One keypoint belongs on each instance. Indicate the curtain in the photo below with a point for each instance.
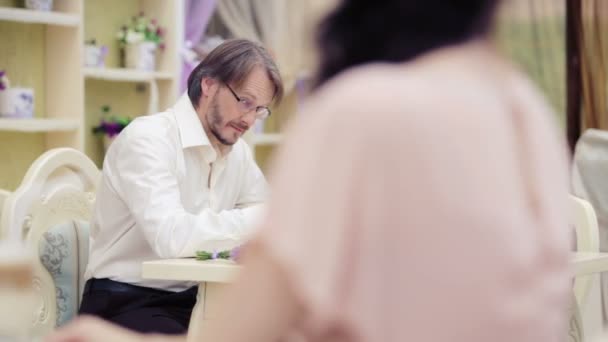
(238, 16)
(197, 16)
(593, 44)
(277, 24)
(532, 34)
(594, 51)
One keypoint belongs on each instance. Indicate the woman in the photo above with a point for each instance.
(420, 196)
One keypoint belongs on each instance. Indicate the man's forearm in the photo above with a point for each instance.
(221, 231)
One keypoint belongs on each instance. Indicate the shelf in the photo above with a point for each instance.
(267, 138)
(38, 17)
(125, 75)
(38, 125)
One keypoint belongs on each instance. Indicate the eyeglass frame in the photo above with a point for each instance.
(257, 108)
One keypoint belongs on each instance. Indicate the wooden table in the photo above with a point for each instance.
(212, 276)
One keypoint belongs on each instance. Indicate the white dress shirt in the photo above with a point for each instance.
(165, 193)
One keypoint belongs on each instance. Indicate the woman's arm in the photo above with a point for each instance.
(260, 306)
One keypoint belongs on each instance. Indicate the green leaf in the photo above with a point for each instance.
(204, 255)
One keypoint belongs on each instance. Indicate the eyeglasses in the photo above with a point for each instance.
(261, 112)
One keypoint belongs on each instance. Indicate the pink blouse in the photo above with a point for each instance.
(424, 202)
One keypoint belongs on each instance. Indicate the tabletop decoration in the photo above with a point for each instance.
(232, 254)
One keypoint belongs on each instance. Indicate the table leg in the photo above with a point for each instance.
(198, 315)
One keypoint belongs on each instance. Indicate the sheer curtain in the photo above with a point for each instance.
(198, 13)
(277, 24)
(238, 16)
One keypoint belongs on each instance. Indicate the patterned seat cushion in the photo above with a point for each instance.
(64, 251)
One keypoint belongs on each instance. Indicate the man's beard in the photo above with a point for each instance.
(215, 123)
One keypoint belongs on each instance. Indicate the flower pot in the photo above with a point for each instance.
(17, 103)
(141, 56)
(39, 5)
(107, 140)
(94, 55)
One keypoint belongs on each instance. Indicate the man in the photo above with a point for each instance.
(177, 182)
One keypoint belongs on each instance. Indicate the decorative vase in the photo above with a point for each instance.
(39, 5)
(94, 55)
(141, 56)
(258, 127)
(107, 140)
(17, 103)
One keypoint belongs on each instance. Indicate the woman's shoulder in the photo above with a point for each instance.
(370, 90)
(411, 94)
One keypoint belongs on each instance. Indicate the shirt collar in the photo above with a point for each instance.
(190, 127)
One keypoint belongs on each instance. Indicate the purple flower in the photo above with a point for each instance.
(111, 128)
(2, 82)
(235, 253)
(214, 255)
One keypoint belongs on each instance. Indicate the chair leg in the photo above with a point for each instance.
(575, 329)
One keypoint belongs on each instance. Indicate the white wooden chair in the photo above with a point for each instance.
(50, 211)
(589, 170)
(587, 240)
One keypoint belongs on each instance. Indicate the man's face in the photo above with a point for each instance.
(226, 118)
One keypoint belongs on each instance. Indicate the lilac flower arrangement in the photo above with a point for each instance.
(141, 29)
(226, 255)
(4, 82)
(111, 125)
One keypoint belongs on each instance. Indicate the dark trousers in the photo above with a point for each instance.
(139, 308)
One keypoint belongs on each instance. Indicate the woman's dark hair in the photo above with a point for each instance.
(363, 31)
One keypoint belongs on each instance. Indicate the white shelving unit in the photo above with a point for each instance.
(38, 125)
(129, 92)
(260, 139)
(39, 17)
(125, 75)
(58, 47)
(69, 96)
(45, 51)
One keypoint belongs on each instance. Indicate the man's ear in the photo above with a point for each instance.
(208, 86)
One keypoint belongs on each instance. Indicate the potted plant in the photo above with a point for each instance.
(110, 126)
(139, 41)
